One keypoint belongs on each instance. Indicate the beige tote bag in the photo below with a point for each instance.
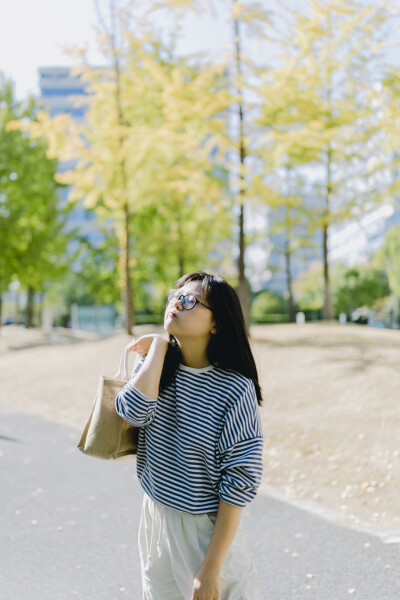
(106, 434)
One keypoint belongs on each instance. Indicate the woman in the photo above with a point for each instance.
(195, 398)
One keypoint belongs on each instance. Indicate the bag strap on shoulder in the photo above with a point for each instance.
(122, 372)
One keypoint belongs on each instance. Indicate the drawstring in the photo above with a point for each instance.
(160, 531)
(161, 509)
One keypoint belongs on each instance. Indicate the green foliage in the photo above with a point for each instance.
(33, 242)
(359, 286)
(388, 259)
(93, 279)
(270, 319)
(175, 237)
(352, 288)
(147, 157)
(387, 311)
(267, 306)
(155, 156)
(321, 114)
(309, 288)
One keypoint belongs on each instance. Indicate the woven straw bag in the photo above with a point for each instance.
(106, 434)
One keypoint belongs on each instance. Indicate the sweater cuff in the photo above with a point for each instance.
(134, 406)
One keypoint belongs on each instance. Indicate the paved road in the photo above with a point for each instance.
(69, 529)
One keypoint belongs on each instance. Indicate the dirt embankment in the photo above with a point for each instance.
(331, 413)
(332, 418)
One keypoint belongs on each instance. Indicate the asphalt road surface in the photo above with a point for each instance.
(69, 530)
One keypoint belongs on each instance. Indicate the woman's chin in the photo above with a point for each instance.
(167, 327)
(169, 324)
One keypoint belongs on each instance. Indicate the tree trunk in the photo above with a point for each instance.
(243, 284)
(291, 307)
(181, 247)
(327, 311)
(16, 307)
(29, 308)
(288, 257)
(129, 306)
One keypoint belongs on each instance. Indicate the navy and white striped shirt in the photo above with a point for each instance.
(200, 441)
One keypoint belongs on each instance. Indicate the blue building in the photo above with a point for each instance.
(352, 243)
(356, 241)
(59, 90)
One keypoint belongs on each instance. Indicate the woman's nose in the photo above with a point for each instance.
(177, 302)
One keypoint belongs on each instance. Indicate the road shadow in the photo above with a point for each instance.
(60, 337)
(6, 438)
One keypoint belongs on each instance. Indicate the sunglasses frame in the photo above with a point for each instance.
(183, 296)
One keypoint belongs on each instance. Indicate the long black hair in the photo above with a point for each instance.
(229, 348)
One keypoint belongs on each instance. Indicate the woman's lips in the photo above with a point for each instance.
(172, 314)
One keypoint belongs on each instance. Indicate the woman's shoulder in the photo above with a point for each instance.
(236, 379)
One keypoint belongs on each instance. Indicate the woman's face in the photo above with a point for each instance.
(196, 322)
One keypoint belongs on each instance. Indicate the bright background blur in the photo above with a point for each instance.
(34, 34)
(287, 237)
(330, 417)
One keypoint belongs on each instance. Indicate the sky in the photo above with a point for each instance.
(35, 33)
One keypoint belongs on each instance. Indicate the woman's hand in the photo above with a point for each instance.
(142, 344)
(207, 584)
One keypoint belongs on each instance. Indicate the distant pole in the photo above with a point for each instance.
(243, 285)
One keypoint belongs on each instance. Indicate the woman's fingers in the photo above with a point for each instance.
(144, 338)
(136, 346)
(142, 344)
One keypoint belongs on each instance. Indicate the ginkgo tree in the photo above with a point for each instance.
(251, 16)
(151, 125)
(186, 181)
(388, 259)
(33, 233)
(289, 218)
(387, 98)
(319, 115)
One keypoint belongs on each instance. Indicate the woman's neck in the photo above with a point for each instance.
(194, 354)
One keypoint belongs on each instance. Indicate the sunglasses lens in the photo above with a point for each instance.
(188, 302)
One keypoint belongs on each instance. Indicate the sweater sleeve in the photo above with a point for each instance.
(138, 364)
(240, 446)
(132, 405)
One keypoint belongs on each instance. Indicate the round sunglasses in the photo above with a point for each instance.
(189, 301)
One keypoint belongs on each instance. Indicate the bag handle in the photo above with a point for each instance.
(122, 372)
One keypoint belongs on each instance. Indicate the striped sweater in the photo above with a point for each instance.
(200, 441)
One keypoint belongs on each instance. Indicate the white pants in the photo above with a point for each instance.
(172, 546)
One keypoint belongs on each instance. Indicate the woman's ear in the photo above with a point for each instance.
(215, 329)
